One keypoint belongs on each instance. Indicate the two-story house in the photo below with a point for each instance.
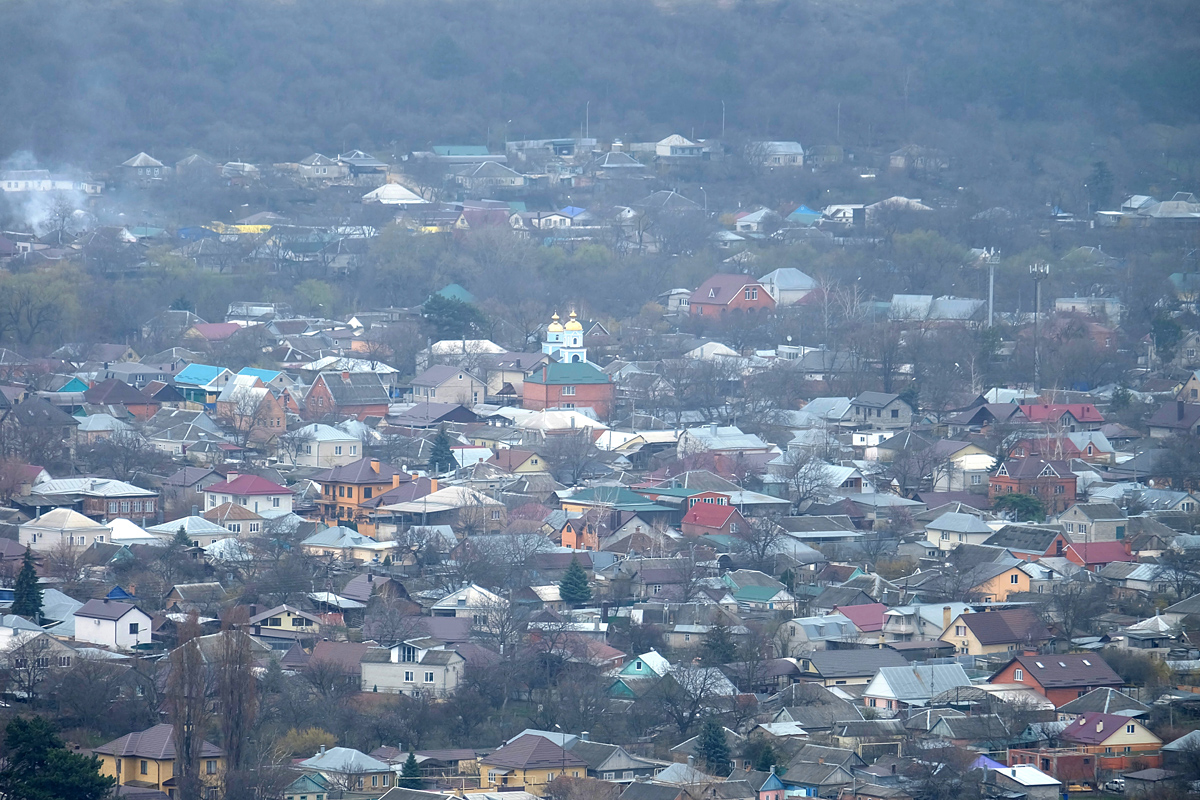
(346, 394)
(528, 763)
(249, 491)
(344, 770)
(881, 410)
(448, 384)
(416, 667)
(113, 624)
(345, 488)
(1065, 416)
(990, 632)
(1052, 482)
(569, 385)
(285, 622)
(1061, 678)
(318, 445)
(1094, 522)
(724, 293)
(146, 760)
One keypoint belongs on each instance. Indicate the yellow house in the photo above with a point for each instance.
(528, 763)
(993, 583)
(1110, 733)
(285, 622)
(350, 770)
(989, 632)
(146, 760)
(519, 461)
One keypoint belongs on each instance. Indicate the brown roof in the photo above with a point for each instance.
(532, 752)
(230, 512)
(346, 655)
(105, 609)
(156, 743)
(1068, 670)
(362, 471)
(1002, 627)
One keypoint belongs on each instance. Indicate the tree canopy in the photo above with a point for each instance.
(39, 767)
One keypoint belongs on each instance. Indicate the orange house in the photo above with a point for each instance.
(345, 489)
(1060, 678)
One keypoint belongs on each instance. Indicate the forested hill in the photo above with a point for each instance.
(992, 81)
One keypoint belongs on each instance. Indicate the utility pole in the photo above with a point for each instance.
(993, 258)
(1040, 270)
(722, 120)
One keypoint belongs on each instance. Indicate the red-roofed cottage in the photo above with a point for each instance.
(249, 491)
(704, 519)
(1061, 678)
(1069, 416)
(868, 618)
(1094, 556)
(722, 293)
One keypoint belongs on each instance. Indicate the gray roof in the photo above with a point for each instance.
(344, 760)
(917, 685)
(854, 663)
(875, 399)
(1105, 701)
(956, 522)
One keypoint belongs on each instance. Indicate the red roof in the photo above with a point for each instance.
(1098, 552)
(244, 485)
(1050, 412)
(216, 331)
(722, 288)
(1095, 728)
(709, 515)
(866, 618)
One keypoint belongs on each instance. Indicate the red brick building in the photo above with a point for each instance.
(1061, 678)
(575, 385)
(723, 293)
(1052, 482)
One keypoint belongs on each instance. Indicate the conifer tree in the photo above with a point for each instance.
(441, 458)
(410, 773)
(573, 588)
(27, 594)
(712, 750)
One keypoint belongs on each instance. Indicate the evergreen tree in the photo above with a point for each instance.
(712, 750)
(410, 773)
(573, 588)
(442, 457)
(39, 767)
(766, 759)
(718, 646)
(27, 594)
(181, 538)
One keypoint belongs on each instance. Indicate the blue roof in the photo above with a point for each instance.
(572, 211)
(265, 375)
(117, 593)
(198, 374)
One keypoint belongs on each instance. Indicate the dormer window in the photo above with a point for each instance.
(408, 654)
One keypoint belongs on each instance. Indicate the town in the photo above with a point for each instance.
(532, 469)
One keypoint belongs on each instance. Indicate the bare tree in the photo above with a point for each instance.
(29, 663)
(236, 687)
(68, 563)
(806, 477)
(187, 690)
(760, 541)
(292, 444)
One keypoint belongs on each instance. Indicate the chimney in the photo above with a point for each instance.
(773, 769)
(544, 378)
(432, 485)
(345, 377)
(1099, 725)
(893, 769)
(691, 761)
(106, 601)
(1179, 410)
(820, 759)
(945, 617)
(712, 428)
(375, 465)
(583, 736)
(370, 577)
(230, 477)
(322, 751)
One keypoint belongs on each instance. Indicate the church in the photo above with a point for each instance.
(570, 381)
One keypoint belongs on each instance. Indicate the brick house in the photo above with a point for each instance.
(573, 385)
(346, 394)
(1094, 522)
(1060, 678)
(1052, 482)
(724, 292)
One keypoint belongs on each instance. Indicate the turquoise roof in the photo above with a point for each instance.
(455, 292)
(198, 375)
(460, 150)
(264, 375)
(573, 373)
(756, 594)
(74, 385)
(616, 496)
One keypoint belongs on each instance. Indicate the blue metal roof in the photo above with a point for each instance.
(198, 374)
(265, 375)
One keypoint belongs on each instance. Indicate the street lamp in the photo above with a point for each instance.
(1040, 270)
(705, 200)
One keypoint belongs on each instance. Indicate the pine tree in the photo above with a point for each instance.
(410, 773)
(27, 594)
(712, 750)
(718, 646)
(38, 765)
(573, 588)
(766, 759)
(181, 538)
(442, 457)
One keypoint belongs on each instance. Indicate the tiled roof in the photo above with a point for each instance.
(710, 515)
(532, 752)
(1084, 412)
(1092, 729)
(723, 288)
(246, 485)
(362, 471)
(1004, 627)
(1068, 670)
(155, 743)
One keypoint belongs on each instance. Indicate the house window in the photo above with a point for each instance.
(976, 480)
(1059, 489)
(113, 506)
(274, 502)
(1014, 579)
(627, 775)
(367, 492)
(960, 630)
(429, 677)
(337, 450)
(687, 637)
(408, 677)
(895, 413)
(275, 622)
(341, 491)
(133, 629)
(354, 452)
(210, 767)
(496, 514)
(144, 767)
(656, 588)
(1130, 728)
(568, 391)
(64, 661)
(608, 776)
(1018, 674)
(1082, 528)
(751, 293)
(945, 536)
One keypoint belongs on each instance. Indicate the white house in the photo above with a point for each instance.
(110, 623)
(788, 285)
(414, 667)
(320, 445)
(249, 491)
(61, 527)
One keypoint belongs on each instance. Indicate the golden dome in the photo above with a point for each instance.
(555, 326)
(573, 324)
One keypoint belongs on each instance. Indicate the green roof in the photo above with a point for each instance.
(575, 373)
(455, 292)
(674, 491)
(756, 594)
(616, 496)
